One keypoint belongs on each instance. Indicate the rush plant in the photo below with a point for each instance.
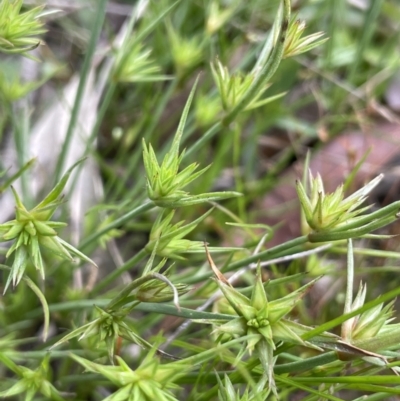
(150, 269)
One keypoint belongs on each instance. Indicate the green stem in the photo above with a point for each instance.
(362, 43)
(346, 327)
(20, 173)
(267, 71)
(117, 223)
(389, 210)
(306, 364)
(297, 366)
(237, 151)
(100, 115)
(321, 394)
(21, 141)
(22, 356)
(96, 30)
(45, 306)
(269, 253)
(294, 246)
(10, 364)
(121, 298)
(339, 320)
(375, 397)
(120, 185)
(390, 379)
(185, 313)
(263, 76)
(199, 144)
(116, 273)
(128, 289)
(151, 307)
(353, 233)
(211, 353)
(368, 252)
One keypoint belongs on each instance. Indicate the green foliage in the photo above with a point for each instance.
(32, 229)
(261, 318)
(11, 89)
(232, 88)
(150, 323)
(186, 52)
(151, 380)
(107, 327)
(227, 392)
(325, 211)
(32, 381)
(17, 28)
(167, 239)
(296, 44)
(165, 181)
(137, 66)
(156, 291)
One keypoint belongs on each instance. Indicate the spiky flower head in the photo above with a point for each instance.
(135, 64)
(32, 382)
(150, 381)
(32, 229)
(165, 181)
(295, 44)
(106, 327)
(158, 291)
(186, 52)
(218, 16)
(233, 87)
(18, 29)
(324, 211)
(166, 239)
(226, 391)
(262, 319)
(371, 331)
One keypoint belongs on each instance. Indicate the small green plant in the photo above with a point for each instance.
(262, 318)
(17, 29)
(327, 211)
(31, 382)
(32, 229)
(165, 182)
(151, 380)
(227, 392)
(172, 191)
(136, 65)
(295, 44)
